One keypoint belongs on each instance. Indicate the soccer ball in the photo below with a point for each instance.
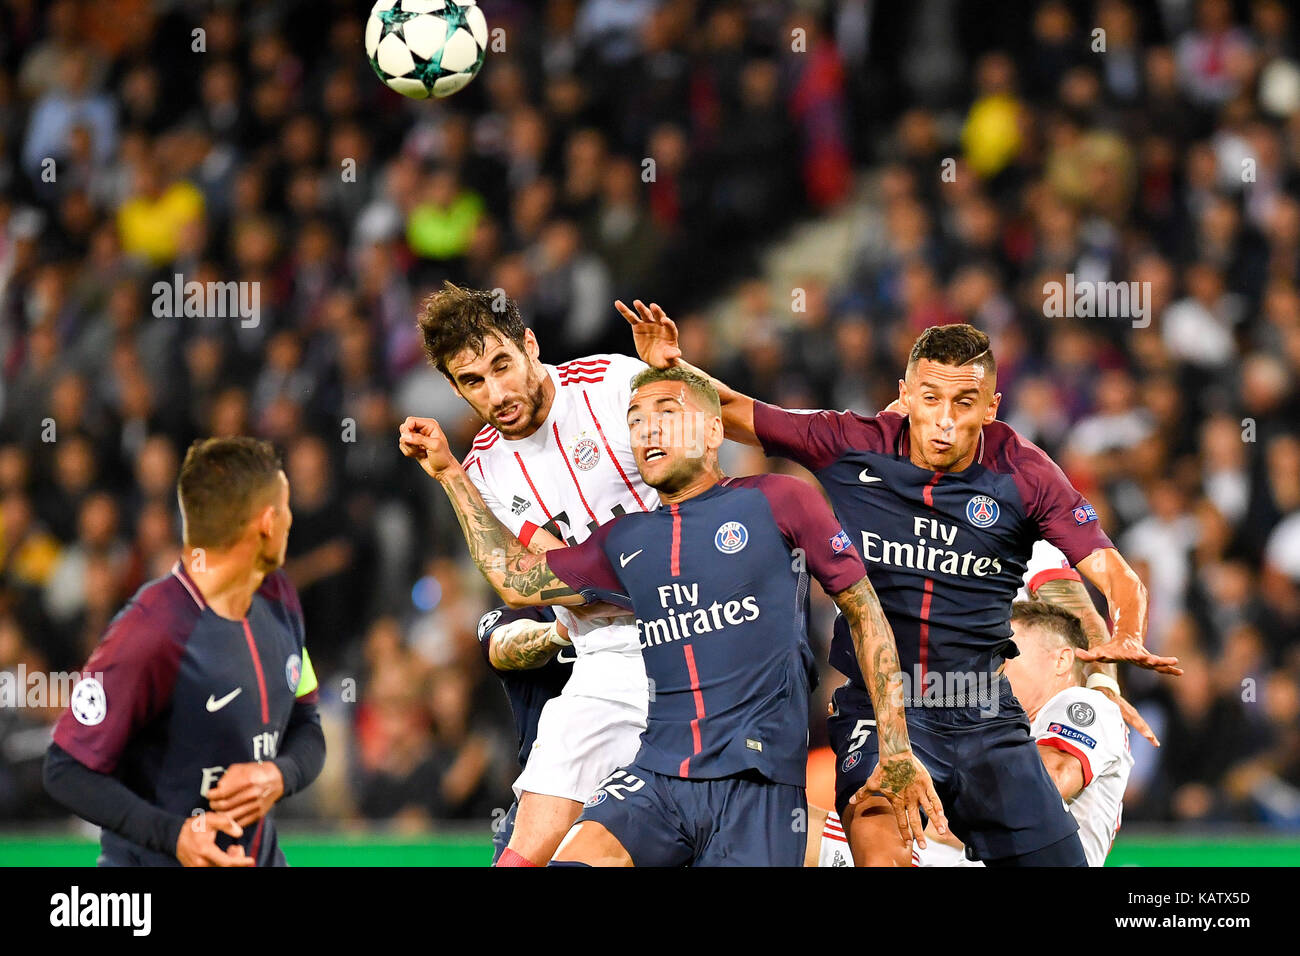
(423, 48)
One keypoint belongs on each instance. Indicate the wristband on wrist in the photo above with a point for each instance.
(555, 636)
(1096, 681)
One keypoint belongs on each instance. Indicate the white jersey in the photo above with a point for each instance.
(573, 474)
(1046, 563)
(1088, 724)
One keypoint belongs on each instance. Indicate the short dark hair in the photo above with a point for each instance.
(1052, 619)
(955, 344)
(222, 481)
(453, 319)
(698, 384)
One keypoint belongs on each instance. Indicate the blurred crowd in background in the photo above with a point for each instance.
(653, 149)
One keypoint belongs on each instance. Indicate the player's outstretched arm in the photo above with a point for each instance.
(521, 577)
(1073, 597)
(900, 777)
(655, 336)
(1126, 596)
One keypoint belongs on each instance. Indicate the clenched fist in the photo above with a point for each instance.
(423, 440)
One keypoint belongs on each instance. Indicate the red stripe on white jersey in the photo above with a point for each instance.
(555, 430)
(609, 451)
(532, 487)
(582, 380)
(486, 438)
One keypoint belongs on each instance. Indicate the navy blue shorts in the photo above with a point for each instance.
(670, 821)
(502, 832)
(997, 795)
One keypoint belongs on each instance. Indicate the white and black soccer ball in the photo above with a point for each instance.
(423, 48)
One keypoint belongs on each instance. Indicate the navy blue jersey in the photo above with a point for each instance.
(527, 690)
(946, 551)
(175, 693)
(719, 587)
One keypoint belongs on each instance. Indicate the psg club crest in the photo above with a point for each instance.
(585, 454)
(731, 537)
(596, 799)
(851, 761)
(982, 511)
(293, 671)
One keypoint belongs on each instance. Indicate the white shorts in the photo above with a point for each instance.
(940, 854)
(834, 849)
(580, 742)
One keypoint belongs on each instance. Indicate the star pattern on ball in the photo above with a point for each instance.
(454, 14)
(393, 18)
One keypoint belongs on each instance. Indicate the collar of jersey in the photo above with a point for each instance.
(717, 489)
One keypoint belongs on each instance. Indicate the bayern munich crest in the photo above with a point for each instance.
(586, 454)
(851, 761)
(731, 537)
(982, 511)
(293, 671)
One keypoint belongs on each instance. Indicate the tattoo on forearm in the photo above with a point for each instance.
(524, 650)
(504, 561)
(873, 640)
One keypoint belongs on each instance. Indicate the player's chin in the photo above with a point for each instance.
(660, 474)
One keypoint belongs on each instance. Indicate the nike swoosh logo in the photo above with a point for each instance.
(866, 477)
(215, 705)
(623, 559)
(565, 660)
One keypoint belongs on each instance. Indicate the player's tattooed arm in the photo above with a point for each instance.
(899, 776)
(1073, 597)
(657, 345)
(522, 645)
(521, 577)
(873, 641)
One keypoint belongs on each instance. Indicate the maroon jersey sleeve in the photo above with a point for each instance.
(807, 523)
(813, 439)
(588, 570)
(1064, 517)
(127, 682)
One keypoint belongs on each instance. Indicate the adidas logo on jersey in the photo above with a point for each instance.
(520, 505)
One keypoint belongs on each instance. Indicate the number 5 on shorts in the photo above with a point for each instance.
(860, 733)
